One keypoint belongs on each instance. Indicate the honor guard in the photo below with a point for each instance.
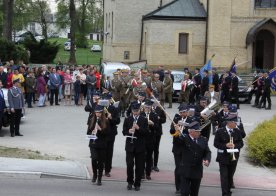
(16, 104)
(146, 78)
(150, 138)
(116, 86)
(140, 87)
(125, 90)
(158, 89)
(135, 128)
(266, 92)
(168, 87)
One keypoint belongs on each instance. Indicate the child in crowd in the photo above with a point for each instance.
(77, 87)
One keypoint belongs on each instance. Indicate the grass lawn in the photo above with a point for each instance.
(83, 55)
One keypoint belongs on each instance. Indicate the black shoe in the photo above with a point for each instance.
(233, 186)
(99, 183)
(268, 108)
(30, 106)
(12, 134)
(148, 177)
(137, 188)
(254, 106)
(123, 114)
(155, 168)
(107, 174)
(19, 134)
(263, 106)
(57, 104)
(129, 187)
(177, 192)
(94, 178)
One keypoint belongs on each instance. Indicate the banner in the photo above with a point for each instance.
(272, 77)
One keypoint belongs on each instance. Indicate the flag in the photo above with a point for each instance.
(272, 77)
(233, 67)
(208, 67)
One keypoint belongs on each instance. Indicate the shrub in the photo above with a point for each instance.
(262, 143)
(8, 51)
(81, 41)
(42, 51)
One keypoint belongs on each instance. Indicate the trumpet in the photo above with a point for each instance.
(233, 154)
(132, 134)
(95, 131)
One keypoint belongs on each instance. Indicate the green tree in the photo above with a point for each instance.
(7, 19)
(73, 19)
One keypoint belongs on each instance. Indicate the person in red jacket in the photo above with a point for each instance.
(98, 78)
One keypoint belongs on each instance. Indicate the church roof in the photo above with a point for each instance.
(179, 10)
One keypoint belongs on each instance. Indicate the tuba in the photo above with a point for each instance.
(208, 112)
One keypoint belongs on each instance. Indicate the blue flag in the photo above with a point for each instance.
(272, 77)
(208, 67)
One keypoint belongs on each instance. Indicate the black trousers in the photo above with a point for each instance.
(1, 118)
(156, 150)
(148, 159)
(15, 121)
(258, 96)
(137, 159)
(266, 97)
(226, 177)
(30, 96)
(54, 92)
(194, 95)
(177, 176)
(189, 186)
(98, 158)
(235, 97)
(109, 155)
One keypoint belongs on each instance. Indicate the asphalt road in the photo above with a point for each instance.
(61, 187)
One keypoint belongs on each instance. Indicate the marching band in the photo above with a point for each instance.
(141, 99)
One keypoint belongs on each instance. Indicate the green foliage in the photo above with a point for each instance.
(41, 52)
(262, 143)
(8, 51)
(81, 41)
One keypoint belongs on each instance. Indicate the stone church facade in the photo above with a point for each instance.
(178, 33)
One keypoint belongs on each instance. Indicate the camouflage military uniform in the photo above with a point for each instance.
(125, 92)
(116, 86)
(158, 90)
(168, 88)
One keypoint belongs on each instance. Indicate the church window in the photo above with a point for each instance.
(183, 43)
(265, 3)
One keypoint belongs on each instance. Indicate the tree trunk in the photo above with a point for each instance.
(43, 21)
(72, 12)
(8, 18)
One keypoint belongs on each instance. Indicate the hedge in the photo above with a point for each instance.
(9, 51)
(42, 51)
(262, 143)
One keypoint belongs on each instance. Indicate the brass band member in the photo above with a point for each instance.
(116, 86)
(176, 129)
(195, 154)
(157, 88)
(150, 138)
(228, 137)
(113, 117)
(161, 120)
(135, 128)
(99, 127)
(203, 118)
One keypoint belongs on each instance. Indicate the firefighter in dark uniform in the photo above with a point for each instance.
(195, 154)
(161, 120)
(177, 128)
(225, 87)
(112, 114)
(259, 89)
(196, 90)
(266, 92)
(215, 79)
(135, 127)
(150, 138)
(228, 137)
(234, 90)
(204, 83)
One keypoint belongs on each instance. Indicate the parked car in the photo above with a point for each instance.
(244, 90)
(178, 77)
(67, 46)
(108, 68)
(96, 48)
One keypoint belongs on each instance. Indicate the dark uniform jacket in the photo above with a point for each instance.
(235, 84)
(152, 129)
(101, 141)
(161, 119)
(139, 144)
(113, 122)
(193, 153)
(197, 80)
(204, 84)
(267, 85)
(176, 145)
(221, 139)
(216, 81)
